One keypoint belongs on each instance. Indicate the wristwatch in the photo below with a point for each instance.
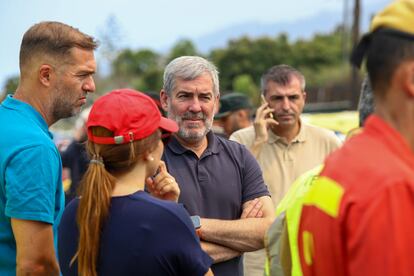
(197, 225)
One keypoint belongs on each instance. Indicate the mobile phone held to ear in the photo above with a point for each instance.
(265, 102)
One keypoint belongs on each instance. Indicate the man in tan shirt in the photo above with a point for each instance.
(284, 146)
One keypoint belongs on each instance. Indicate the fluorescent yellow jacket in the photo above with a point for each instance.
(281, 241)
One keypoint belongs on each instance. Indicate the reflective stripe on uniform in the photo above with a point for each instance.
(326, 195)
(292, 205)
(308, 247)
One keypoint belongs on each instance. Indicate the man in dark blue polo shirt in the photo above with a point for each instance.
(220, 180)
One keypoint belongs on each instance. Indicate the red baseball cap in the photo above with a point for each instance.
(130, 114)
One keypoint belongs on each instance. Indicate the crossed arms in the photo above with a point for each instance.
(226, 239)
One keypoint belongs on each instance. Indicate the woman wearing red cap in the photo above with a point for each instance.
(115, 227)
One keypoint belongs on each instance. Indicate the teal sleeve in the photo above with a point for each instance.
(33, 181)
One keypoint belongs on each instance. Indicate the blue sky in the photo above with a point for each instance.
(155, 24)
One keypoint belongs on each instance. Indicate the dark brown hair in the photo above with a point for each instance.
(282, 75)
(385, 55)
(54, 39)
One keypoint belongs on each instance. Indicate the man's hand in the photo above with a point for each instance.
(163, 185)
(253, 209)
(262, 123)
(244, 234)
(218, 252)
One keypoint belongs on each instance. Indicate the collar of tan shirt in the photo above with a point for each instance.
(300, 138)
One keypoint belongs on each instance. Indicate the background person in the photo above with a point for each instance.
(284, 146)
(56, 68)
(281, 240)
(74, 157)
(356, 216)
(115, 227)
(234, 113)
(220, 180)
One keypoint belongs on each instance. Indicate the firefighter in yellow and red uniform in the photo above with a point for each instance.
(358, 216)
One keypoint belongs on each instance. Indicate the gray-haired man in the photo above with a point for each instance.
(220, 180)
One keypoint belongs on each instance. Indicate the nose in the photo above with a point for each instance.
(89, 85)
(195, 105)
(286, 104)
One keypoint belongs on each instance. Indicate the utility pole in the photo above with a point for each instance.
(345, 31)
(355, 89)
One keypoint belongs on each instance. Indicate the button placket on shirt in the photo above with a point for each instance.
(202, 175)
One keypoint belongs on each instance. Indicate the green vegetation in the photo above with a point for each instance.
(241, 63)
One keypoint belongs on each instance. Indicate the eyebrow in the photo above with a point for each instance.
(192, 92)
(86, 71)
(294, 93)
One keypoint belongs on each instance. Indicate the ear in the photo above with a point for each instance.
(217, 104)
(238, 114)
(408, 79)
(304, 96)
(164, 100)
(148, 156)
(243, 114)
(45, 74)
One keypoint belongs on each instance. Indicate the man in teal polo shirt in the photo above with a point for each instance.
(56, 68)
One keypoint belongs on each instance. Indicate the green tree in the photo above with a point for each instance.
(321, 58)
(321, 51)
(10, 86)
(184, 47)
(151, 80)
(245, 84)
(138, 69)
(251, 57)
(242, 62)
(132, 63)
